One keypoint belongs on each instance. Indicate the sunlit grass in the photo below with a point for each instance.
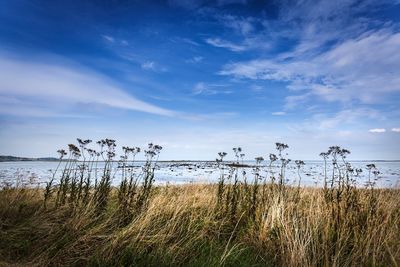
(246, 219)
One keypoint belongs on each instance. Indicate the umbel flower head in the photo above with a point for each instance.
(281, 146)
(259, 160)
(273, 157)
(299, 163)
(153, 150)
(221, 156)
(83, 142)
(62, 153)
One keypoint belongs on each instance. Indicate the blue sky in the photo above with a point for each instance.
(199, 77)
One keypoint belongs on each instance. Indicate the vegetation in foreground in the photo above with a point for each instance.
(244, 220)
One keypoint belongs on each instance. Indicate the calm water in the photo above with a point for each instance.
(37, 173)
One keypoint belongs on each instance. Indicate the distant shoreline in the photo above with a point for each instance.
(14, 159)
(52, 159)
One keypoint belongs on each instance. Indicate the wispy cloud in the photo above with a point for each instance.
(114, 41)
(202, 88)
(396, 130)
(50, 84)
(199, 88)
(341, 121)
(278, 113)
(217, 42)
(153, 66)
(185, 40)
(196, 59)
(316, 24)
(242, 25)
(256, 88)
(347, 116)
(251, 32)
(348, 71)
(331, 59)
(377, 130)
(108, 38)
(148, 65)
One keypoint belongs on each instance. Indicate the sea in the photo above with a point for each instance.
(37, 173)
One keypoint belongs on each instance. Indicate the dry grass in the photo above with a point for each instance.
(183, 225)
(243, 220)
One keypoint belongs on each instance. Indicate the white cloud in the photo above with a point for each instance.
(148, 65)
(49, 84)
(198, 59)
(199, 88)
(293, 101)
(251, 29)
(337, 57)
(115, 41)
(366, 69)
(377, 130)
(241, 25)
(347, 116)
(315, 24)
(397, 130)
(343, 120)
(153, 66)
(189, 41)
(209, 89)
(217, 42)
(278, 113)
(109, 38)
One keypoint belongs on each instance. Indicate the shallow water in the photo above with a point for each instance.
(34, 173)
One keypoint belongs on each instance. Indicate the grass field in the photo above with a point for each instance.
(244, 220)
(184, 225)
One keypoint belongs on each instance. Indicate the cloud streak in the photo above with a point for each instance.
(108, 38)
(218, 42)
(377, 130)
(202, 88)
(48, 83)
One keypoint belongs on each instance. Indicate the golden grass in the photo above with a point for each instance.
(183, 225)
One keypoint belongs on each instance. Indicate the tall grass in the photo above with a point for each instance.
(246, 219)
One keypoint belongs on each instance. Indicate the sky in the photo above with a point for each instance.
(200, 77)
